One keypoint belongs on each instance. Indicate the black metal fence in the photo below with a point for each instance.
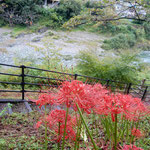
(138, 90)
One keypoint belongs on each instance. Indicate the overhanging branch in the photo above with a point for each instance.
(114, 19)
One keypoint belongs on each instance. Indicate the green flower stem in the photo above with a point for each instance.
(95, 147)
(124, 124)
(65, 128)
(107, 128)
(58, 135)
(127, 130)
(132, 137)
(96, 124)
(76, 142)
(46, 141)
(115, 135)
(79, 136)
(93, 118)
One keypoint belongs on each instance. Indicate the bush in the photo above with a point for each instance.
(68, 9)
(147, 30)
(121, 41)
(123, 68)
(2, 22)
(92, 4)
(115, 29)
(20, 11)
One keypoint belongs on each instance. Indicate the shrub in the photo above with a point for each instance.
(121, 41)
(123, 68)
(68, 9)
(115, 29)
(2, 22)
(147, 30)
(92, 4)
(20, 11)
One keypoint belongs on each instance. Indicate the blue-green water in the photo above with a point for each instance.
(145, 56)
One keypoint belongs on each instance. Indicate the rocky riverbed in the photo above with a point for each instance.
(33, 47)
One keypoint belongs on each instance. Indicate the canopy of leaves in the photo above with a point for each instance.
(20, 11)
(68, 9)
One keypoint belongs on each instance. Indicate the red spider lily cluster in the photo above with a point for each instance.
(80, 98)
(56, 118)
(136, 132)
(131, 147)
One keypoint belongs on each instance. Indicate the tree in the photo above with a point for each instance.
(19, 11)
(107, 11)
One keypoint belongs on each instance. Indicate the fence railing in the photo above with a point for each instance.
(138, 90)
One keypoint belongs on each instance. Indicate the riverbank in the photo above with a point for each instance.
(68, 44)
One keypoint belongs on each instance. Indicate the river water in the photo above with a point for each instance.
(145, 56)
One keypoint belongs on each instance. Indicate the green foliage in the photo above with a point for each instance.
(22, 138)
(121, 41)
(115, 29)
(122, 68)
(92, 4)
(2, 22)
(49, 17)
(68, 9)
(147, 30)
(4, 111)
(20, 11)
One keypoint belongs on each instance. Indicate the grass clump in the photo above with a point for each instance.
(121, 41)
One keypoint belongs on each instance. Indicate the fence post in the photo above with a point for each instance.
(75, 76)
(142, 85)
(22, 81)
(129, 87)
(107, 84)
(144, 94)
(125, 88)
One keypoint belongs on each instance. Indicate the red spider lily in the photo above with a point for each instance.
(126, 105)
(136, 132)
(57, 117)
(74, 92)
(131, 147)
(38, 124)
(44, 99)
(65, 94)
(108, 104)
(135, 109)
(70, 133)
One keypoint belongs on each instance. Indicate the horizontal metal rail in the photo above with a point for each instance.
(12, 101)
(9, 91)
(40, 91)
(50, 71)
(16, 83)
(9, 74)
(9, 65)
(43, 77)
(38, 84)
